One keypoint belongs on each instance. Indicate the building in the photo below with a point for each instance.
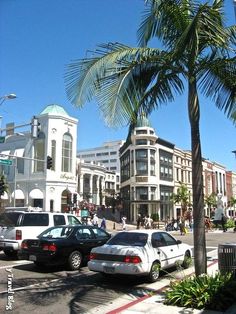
(30, 182)
(146, 173)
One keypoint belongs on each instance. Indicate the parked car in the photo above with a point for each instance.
(63, 245)
(139, 252)
(17, 225)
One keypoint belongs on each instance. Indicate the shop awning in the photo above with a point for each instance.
(19, 152)
(18, 194)
(36, 193)
(4, 153)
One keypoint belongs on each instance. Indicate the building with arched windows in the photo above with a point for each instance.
(30, 183)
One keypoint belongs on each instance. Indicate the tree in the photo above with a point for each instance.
(210, 201)
(182, 197)
(198, 54)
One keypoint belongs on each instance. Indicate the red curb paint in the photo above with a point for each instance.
(126, 306)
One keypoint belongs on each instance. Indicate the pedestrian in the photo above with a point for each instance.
(139, 219)
(123, 222)
(182, 227)
(103, 223)
(95, 220)
(223, 222)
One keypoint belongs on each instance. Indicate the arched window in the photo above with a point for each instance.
(39, 153)
(66, 164)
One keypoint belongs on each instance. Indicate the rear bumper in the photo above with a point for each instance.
(49, 259)
(9, 245)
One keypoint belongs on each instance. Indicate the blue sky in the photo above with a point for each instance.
(40, 37)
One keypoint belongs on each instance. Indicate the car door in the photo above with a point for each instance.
(172, 249)
(85, 240)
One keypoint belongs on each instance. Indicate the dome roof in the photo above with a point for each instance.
(143, 121)
(55, 110)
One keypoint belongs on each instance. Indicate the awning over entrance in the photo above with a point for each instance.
(18, 194)
(19, 152)
(36, 193)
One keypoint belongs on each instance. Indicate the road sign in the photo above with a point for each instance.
(6, 162)
(2, 139)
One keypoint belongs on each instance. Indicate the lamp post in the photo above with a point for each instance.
(6, 97)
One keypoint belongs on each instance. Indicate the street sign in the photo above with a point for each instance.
(2, 139)
(6, 162)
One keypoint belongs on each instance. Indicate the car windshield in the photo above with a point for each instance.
(129, 238)
(58, 232)
(9, 219)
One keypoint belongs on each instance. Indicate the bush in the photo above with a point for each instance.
(203, 292)
(155, 217)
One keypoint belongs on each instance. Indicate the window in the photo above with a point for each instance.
(73, 220)
(141, 142)
(84, 234)
(39, 153)
(67, 153)
(141, 193)
(100, 234)
(35, 220)
(53, 154)
(59, 220)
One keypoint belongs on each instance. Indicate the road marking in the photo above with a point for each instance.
(17, 263)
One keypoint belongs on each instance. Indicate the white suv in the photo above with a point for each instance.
(15, 226)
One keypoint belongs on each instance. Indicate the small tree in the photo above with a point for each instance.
(182, 197)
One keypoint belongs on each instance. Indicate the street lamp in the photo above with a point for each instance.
(6, 97)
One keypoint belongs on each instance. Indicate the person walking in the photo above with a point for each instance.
(95, 220)
(123, 222)
(139, 220)
(103, 223)
(223, 222)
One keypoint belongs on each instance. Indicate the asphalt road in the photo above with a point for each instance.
(54, 290)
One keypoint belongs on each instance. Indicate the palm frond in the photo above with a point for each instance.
(218, 81)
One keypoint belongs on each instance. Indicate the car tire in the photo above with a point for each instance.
(75, 260)
(10, 253)
(187, 260)
(154, 272)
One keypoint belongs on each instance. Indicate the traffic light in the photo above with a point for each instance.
(3, 185)
(49, 162)
(74, 198)
(35, 127)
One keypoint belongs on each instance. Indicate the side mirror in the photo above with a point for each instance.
(178, 241)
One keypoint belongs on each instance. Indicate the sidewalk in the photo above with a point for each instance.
(153, 303)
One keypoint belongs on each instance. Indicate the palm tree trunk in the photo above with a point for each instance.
(199, 239)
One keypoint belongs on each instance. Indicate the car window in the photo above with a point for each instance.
(99, 233)
(73, 220)
(169, 239)
(35, 219)
(84, 234)
(10, 219)
(158, 240)
(58, 232)
(59, 220)
(129, 238)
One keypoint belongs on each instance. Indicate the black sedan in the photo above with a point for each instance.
(63, 245)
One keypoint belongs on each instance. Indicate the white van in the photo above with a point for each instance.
(17, 225)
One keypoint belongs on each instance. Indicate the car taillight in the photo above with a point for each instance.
(92, 256)
(132, 259)
(18, 235)
(24, 245)
(49, 247)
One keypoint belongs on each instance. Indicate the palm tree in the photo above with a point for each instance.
(197, 54)
(182, 197)
(210, 201)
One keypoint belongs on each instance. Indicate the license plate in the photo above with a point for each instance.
(108, 269)
(32, 258)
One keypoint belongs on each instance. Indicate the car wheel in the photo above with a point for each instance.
(187, 260)
(10, 253)
(154, 272)
(75, 260)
